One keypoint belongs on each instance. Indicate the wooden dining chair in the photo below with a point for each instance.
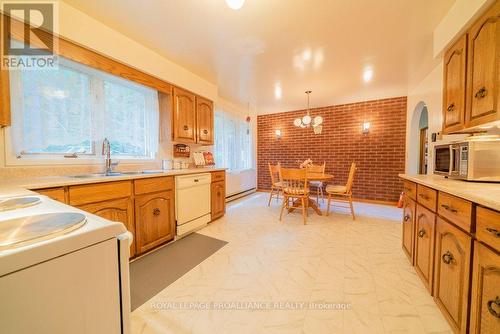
(295, 188)
(342, 193)
(274, 171)
(318, 185)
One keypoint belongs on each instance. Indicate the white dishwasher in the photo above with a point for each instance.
(192, 202)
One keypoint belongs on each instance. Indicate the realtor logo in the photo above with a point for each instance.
(31, 45)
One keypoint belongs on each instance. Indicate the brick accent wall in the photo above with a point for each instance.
(379, 154)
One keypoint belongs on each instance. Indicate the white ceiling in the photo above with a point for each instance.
(321, 45)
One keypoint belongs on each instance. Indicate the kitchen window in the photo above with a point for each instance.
(69, 111)
(233, 141)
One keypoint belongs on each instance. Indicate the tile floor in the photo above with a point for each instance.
(330, 276)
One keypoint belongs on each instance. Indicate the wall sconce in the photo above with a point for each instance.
(278, 134)
(366, 127)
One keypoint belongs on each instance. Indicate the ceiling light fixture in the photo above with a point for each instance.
(235, 4)
(306, 120)
(368, 75)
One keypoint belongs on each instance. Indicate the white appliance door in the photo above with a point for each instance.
(75, 293)
(192, 203)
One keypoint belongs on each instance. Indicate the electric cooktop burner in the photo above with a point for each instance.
(18, 202)
(23, 231)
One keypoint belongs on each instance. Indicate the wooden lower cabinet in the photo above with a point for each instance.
(120, 210)
(424, 245)
(218, 199)
(155, 220)
(451, 273)
(485, 301)
(408, 227)
(58, 194)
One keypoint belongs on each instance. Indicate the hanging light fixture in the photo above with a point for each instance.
(306, 121)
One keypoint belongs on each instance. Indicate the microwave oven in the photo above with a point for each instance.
(473, 160)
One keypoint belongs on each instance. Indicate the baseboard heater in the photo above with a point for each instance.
(240, 195)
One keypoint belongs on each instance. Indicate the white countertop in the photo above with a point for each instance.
(486, 194)
(17, 187)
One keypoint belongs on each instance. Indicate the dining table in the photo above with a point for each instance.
(312, 176)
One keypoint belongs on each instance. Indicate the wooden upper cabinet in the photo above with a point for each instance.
(119, 210)
(452, 257)
(483, 68)
(455, 67)
(184, 116)
(485, 300)
(205, 121)
(154, 220)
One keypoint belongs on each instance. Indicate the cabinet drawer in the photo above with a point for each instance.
(488, 227)
(427, 197)
(452, 257)
(485, 300)
(154, 184)
(456, 210)
(218, 176)
(91, 193)
(57, 194)
(410, 189)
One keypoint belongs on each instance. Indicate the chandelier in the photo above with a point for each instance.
(308, 121)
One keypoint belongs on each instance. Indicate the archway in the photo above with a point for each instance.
(418, 140)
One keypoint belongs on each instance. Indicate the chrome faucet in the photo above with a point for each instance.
(106, 150)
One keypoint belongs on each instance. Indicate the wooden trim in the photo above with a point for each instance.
(83, 55)
(4, 99)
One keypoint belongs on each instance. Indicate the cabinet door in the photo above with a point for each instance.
(154, 220)
(424, 245)
(4, 98)
(483, 68)
(120, 210)
(455, 67)
(485, 301)
(58, 194)
(205, 121)
(184, 116)
(408, 227)
(218, 199)
(451, 273)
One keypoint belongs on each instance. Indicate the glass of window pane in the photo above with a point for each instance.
(55, 111)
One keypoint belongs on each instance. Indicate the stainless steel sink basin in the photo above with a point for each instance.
(134, 172)
(89, 176)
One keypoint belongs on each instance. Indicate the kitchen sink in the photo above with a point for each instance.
(89, 176)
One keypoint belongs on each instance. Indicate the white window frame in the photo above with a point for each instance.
(12, 158)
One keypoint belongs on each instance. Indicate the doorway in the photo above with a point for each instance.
(423, 154)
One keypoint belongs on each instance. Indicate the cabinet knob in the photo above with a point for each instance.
(449, 208)
(491, 309)
(185, 127)
(481, 93)
(407, 217)
(451, 107)
(493, 231)
(205, 131)
(421, 233)
(424, 196)
(447, 257)
(156, 211)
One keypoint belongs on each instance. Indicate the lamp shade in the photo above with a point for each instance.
(297, 122)
(306, 119)
(318, 120)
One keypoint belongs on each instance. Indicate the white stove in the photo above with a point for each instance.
(62, 270)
